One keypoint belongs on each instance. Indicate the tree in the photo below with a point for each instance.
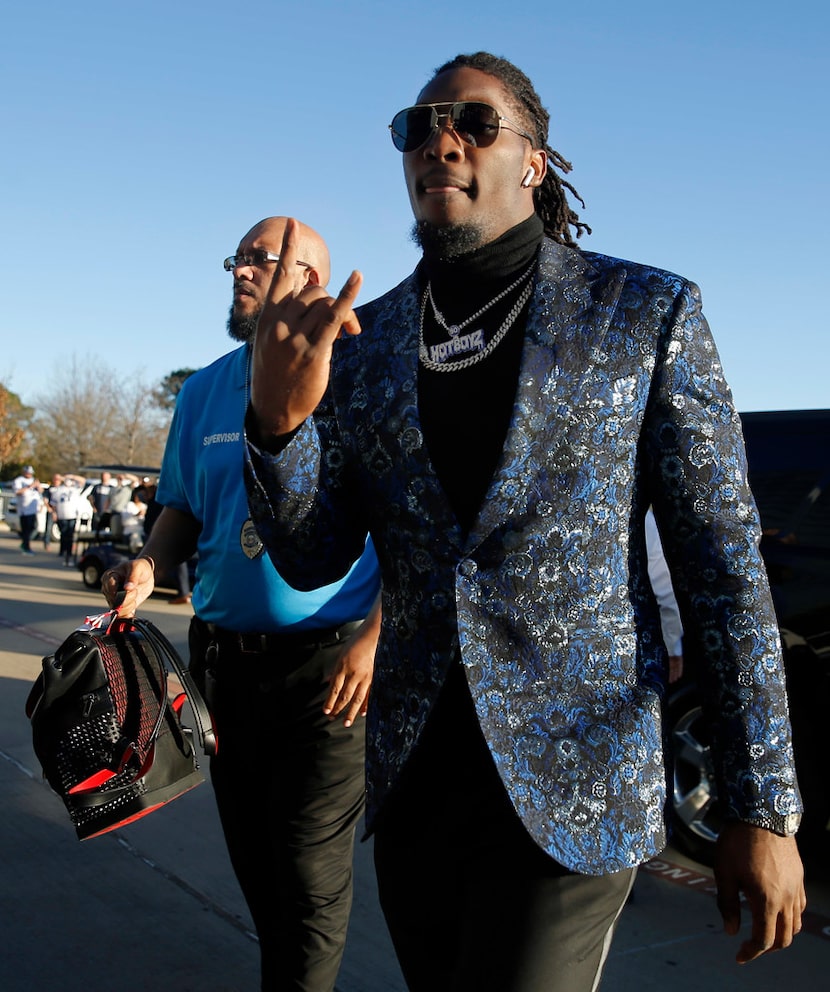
(91, 415)
(14, 421)
(168, 390)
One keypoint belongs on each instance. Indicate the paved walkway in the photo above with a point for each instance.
(156, 906)
(151, 906)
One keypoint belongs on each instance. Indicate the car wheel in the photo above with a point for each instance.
(91, 572)
(696, 818)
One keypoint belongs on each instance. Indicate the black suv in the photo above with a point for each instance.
(789, 472)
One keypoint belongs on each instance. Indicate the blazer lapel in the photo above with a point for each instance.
(568, 318)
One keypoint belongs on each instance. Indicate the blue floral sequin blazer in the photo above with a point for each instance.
(621, 403)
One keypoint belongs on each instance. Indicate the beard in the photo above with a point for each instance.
(446, 242)
(243, 328)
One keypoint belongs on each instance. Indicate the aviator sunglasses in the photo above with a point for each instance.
(477, 124)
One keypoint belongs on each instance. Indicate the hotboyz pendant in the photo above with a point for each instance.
(435, 357)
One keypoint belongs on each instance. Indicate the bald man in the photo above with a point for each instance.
(286, 673)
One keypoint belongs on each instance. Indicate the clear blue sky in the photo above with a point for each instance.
(141, 140)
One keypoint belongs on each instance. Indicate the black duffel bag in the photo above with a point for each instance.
(107, 734)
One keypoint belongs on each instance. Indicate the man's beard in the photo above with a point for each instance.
(446, 242)
(243, 328)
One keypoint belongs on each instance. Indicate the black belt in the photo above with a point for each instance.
(273, 643)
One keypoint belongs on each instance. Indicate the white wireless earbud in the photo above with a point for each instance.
(528, 177)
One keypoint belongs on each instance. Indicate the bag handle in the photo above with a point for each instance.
(201, 713)
(128, 747)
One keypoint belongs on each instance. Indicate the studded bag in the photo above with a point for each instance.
(106, 732)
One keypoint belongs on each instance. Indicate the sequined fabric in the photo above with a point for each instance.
(621, 403)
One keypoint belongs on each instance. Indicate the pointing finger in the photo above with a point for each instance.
(283, 282)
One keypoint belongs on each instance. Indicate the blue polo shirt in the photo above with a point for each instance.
(237, 586)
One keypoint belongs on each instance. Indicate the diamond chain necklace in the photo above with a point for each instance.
(468, 344)
(454, 329)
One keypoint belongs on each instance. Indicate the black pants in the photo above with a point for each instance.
(67, 532)
(289, 786)
(28, 526)
(471, 902)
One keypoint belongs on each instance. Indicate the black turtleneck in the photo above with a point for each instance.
(465, 413)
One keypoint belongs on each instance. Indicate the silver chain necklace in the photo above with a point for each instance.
(454, 329)
(473, 342)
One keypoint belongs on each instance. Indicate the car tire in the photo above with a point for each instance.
(91, 572)
(695, 816)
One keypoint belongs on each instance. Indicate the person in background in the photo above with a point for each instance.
(64, 500)
(27, 491)
(500, 425)
(277, 664)
(135, 507)
(146, 489)
(50, 516)
(121, 494)
(660, 578)
(100, 497)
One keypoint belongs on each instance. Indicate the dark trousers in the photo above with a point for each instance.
(471, 902)
(28, 525)
(67, 532)
(101, 520)
(289, 787)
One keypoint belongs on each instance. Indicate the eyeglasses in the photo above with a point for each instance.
(256, 256)
(477, 124)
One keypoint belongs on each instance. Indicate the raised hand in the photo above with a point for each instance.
(295, 336)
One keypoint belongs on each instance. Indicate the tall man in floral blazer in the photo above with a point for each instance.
(500, 425)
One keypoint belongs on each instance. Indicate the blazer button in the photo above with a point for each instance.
(468, 568)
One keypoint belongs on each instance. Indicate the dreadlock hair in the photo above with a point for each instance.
(549, 198)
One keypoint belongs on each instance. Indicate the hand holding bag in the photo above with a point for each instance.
(108, 736)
